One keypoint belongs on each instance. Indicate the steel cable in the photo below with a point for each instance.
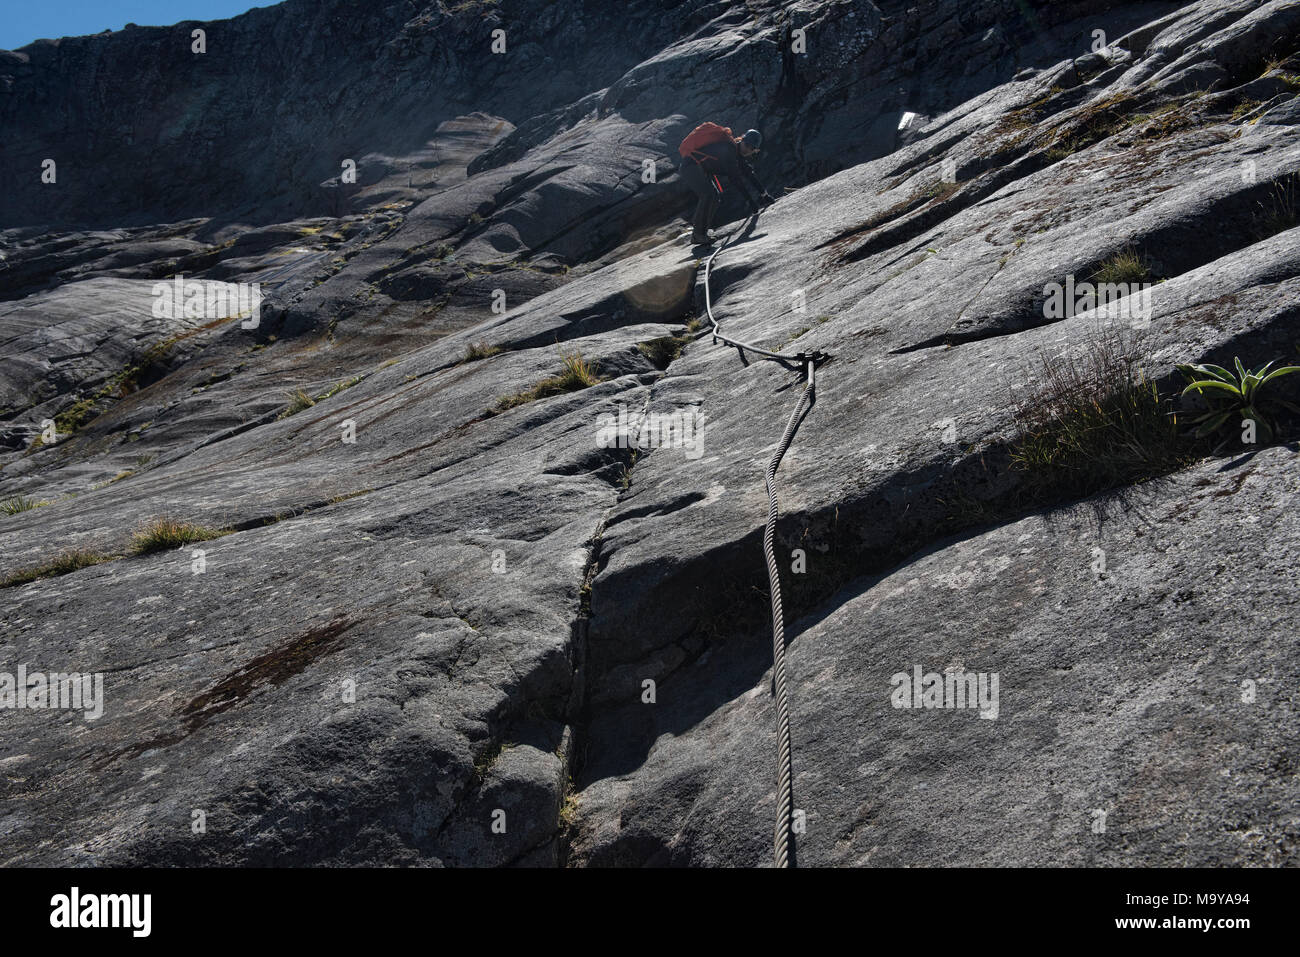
(782, 838)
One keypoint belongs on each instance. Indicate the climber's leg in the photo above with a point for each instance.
(707, 191)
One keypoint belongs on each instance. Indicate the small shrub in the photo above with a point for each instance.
(1234, 398)
(165, 533)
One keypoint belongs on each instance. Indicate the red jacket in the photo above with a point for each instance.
(724, 157)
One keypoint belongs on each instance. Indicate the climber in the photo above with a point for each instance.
(708, 152)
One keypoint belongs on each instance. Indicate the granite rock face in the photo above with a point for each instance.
(461, 615)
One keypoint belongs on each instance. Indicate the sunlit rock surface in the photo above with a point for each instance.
(428, 635)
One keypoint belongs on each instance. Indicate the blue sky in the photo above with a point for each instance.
(23, 21)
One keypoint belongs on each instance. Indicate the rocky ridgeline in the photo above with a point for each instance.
(419, 603)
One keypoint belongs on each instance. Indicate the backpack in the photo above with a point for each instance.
(702, 136)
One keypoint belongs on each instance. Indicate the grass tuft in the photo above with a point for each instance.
(66, 561)
(664, 350)
(338, 387)
(20, 503)
(577, 374)
(165, 533)
(124, 474)
(1280, 208)
(1090, 125)
(76, 415)
(1092, 421)
(1125, 266)
(299, 400)
(938, 192)
(569, 808)
(1243, 108)
(479, 350)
